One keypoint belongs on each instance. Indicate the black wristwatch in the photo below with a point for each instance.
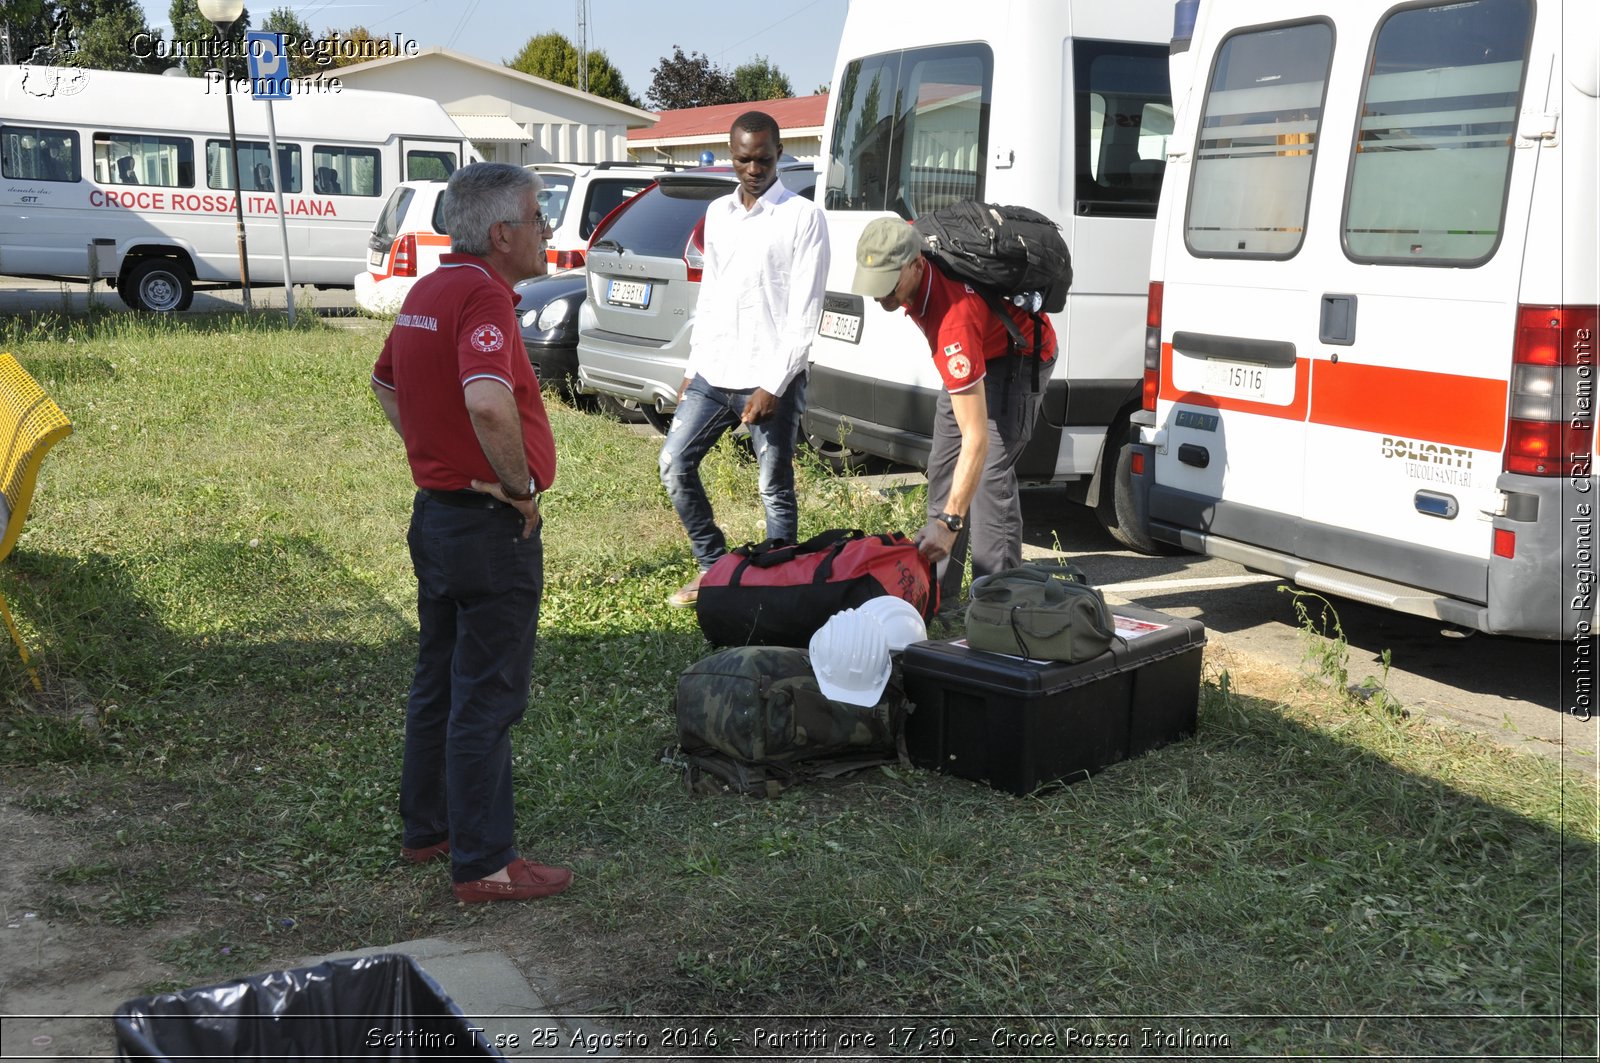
(951, 521)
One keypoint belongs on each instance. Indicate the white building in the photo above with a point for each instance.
(509, 116)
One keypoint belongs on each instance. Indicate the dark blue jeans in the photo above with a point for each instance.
(478, 590)
(700, 420)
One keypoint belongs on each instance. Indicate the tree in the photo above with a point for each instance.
(552, 57)
(302, 61)
(689, 81)
(760, 80)
(365, 48)
(192, 33)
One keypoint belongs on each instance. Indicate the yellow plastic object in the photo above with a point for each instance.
(30, 424)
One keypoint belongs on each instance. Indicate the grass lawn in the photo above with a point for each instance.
(215, 583)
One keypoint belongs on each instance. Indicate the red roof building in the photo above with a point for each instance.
(680, 136)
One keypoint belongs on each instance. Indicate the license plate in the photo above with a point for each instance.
(1239, 381)
(837, 326)
(375, 259)
(629, 293)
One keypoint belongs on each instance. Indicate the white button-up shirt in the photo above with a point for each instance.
(761, 291)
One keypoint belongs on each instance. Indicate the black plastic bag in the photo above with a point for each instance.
(369, 1007)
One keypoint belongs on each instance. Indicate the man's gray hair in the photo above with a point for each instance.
(481, 194)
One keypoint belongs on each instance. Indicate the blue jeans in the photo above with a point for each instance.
(478, 591)
(702, 417)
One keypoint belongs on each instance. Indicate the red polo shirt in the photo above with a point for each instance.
(457, 325)
(963, 332)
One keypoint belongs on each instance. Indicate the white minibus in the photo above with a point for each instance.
(1370, 353)
(1058, 106)
(127, 178)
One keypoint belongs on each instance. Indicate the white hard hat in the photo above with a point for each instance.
(902, 624)
(850, 658)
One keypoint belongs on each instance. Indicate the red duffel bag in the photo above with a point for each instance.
(778, 593)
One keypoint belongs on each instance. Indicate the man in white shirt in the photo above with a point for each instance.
(766, 262)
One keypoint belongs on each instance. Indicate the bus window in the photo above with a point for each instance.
(1433, 153)
(138, 159)
(429, 165)
(1258, 139)
(929, 154)
(1124, 116)
(32, 154)
(338, 171)
(254, 166)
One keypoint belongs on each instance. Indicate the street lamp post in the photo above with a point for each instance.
(223, 14)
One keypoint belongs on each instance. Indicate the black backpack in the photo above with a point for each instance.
(1008, 254)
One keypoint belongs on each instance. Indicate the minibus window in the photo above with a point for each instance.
(1123, 119)
(429, 165)
(255, 166)
(138, 159)
(1258, 140)
(911, 130)
(340, 171)
(1433, 149)
(28, 153)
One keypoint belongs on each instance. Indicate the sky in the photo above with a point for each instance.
(800, 37)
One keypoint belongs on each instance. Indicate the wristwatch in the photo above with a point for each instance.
(951, 521)
(533, 491)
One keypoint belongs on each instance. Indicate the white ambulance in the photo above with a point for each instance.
(1058, 106)
(127, 178)
(1370, 352)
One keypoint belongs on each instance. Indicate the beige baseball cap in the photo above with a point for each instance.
(885, 246)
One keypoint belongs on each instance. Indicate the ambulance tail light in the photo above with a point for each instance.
(694, 251)
(1152, 345)
(1550, 430)
(405, 257)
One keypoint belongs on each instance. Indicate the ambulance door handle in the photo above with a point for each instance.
(1338, 320)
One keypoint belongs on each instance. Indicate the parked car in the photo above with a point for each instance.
(406, 242)
(644, 267)
(547, 310)
(577, 196)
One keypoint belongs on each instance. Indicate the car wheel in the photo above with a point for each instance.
(159, 286)
(625, 410)
(1115, 507)
(655, 418)
(839, 458)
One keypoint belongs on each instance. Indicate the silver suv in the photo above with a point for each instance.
(644, 278)
(577, 196)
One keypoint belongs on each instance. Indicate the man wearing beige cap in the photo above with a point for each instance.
(985, 415)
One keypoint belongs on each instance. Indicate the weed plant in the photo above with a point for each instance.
(215, 583)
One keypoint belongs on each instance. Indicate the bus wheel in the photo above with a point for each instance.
(160, 285)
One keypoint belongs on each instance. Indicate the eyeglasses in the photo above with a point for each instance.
(540, 218)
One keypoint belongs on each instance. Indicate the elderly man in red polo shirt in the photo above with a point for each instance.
(985, 414)
(456, 384)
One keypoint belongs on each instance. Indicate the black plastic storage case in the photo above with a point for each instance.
(1020, 724)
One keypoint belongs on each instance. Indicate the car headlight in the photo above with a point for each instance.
(553, 313)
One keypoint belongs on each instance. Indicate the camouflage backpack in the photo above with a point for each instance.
(752, 720)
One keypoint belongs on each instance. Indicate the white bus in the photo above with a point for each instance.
(127, 178)
(1058, 106)
(1370, 358)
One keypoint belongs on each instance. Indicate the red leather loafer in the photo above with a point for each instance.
(426, 853)
(528, 880)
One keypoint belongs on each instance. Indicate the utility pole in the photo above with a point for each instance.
(583, 45)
